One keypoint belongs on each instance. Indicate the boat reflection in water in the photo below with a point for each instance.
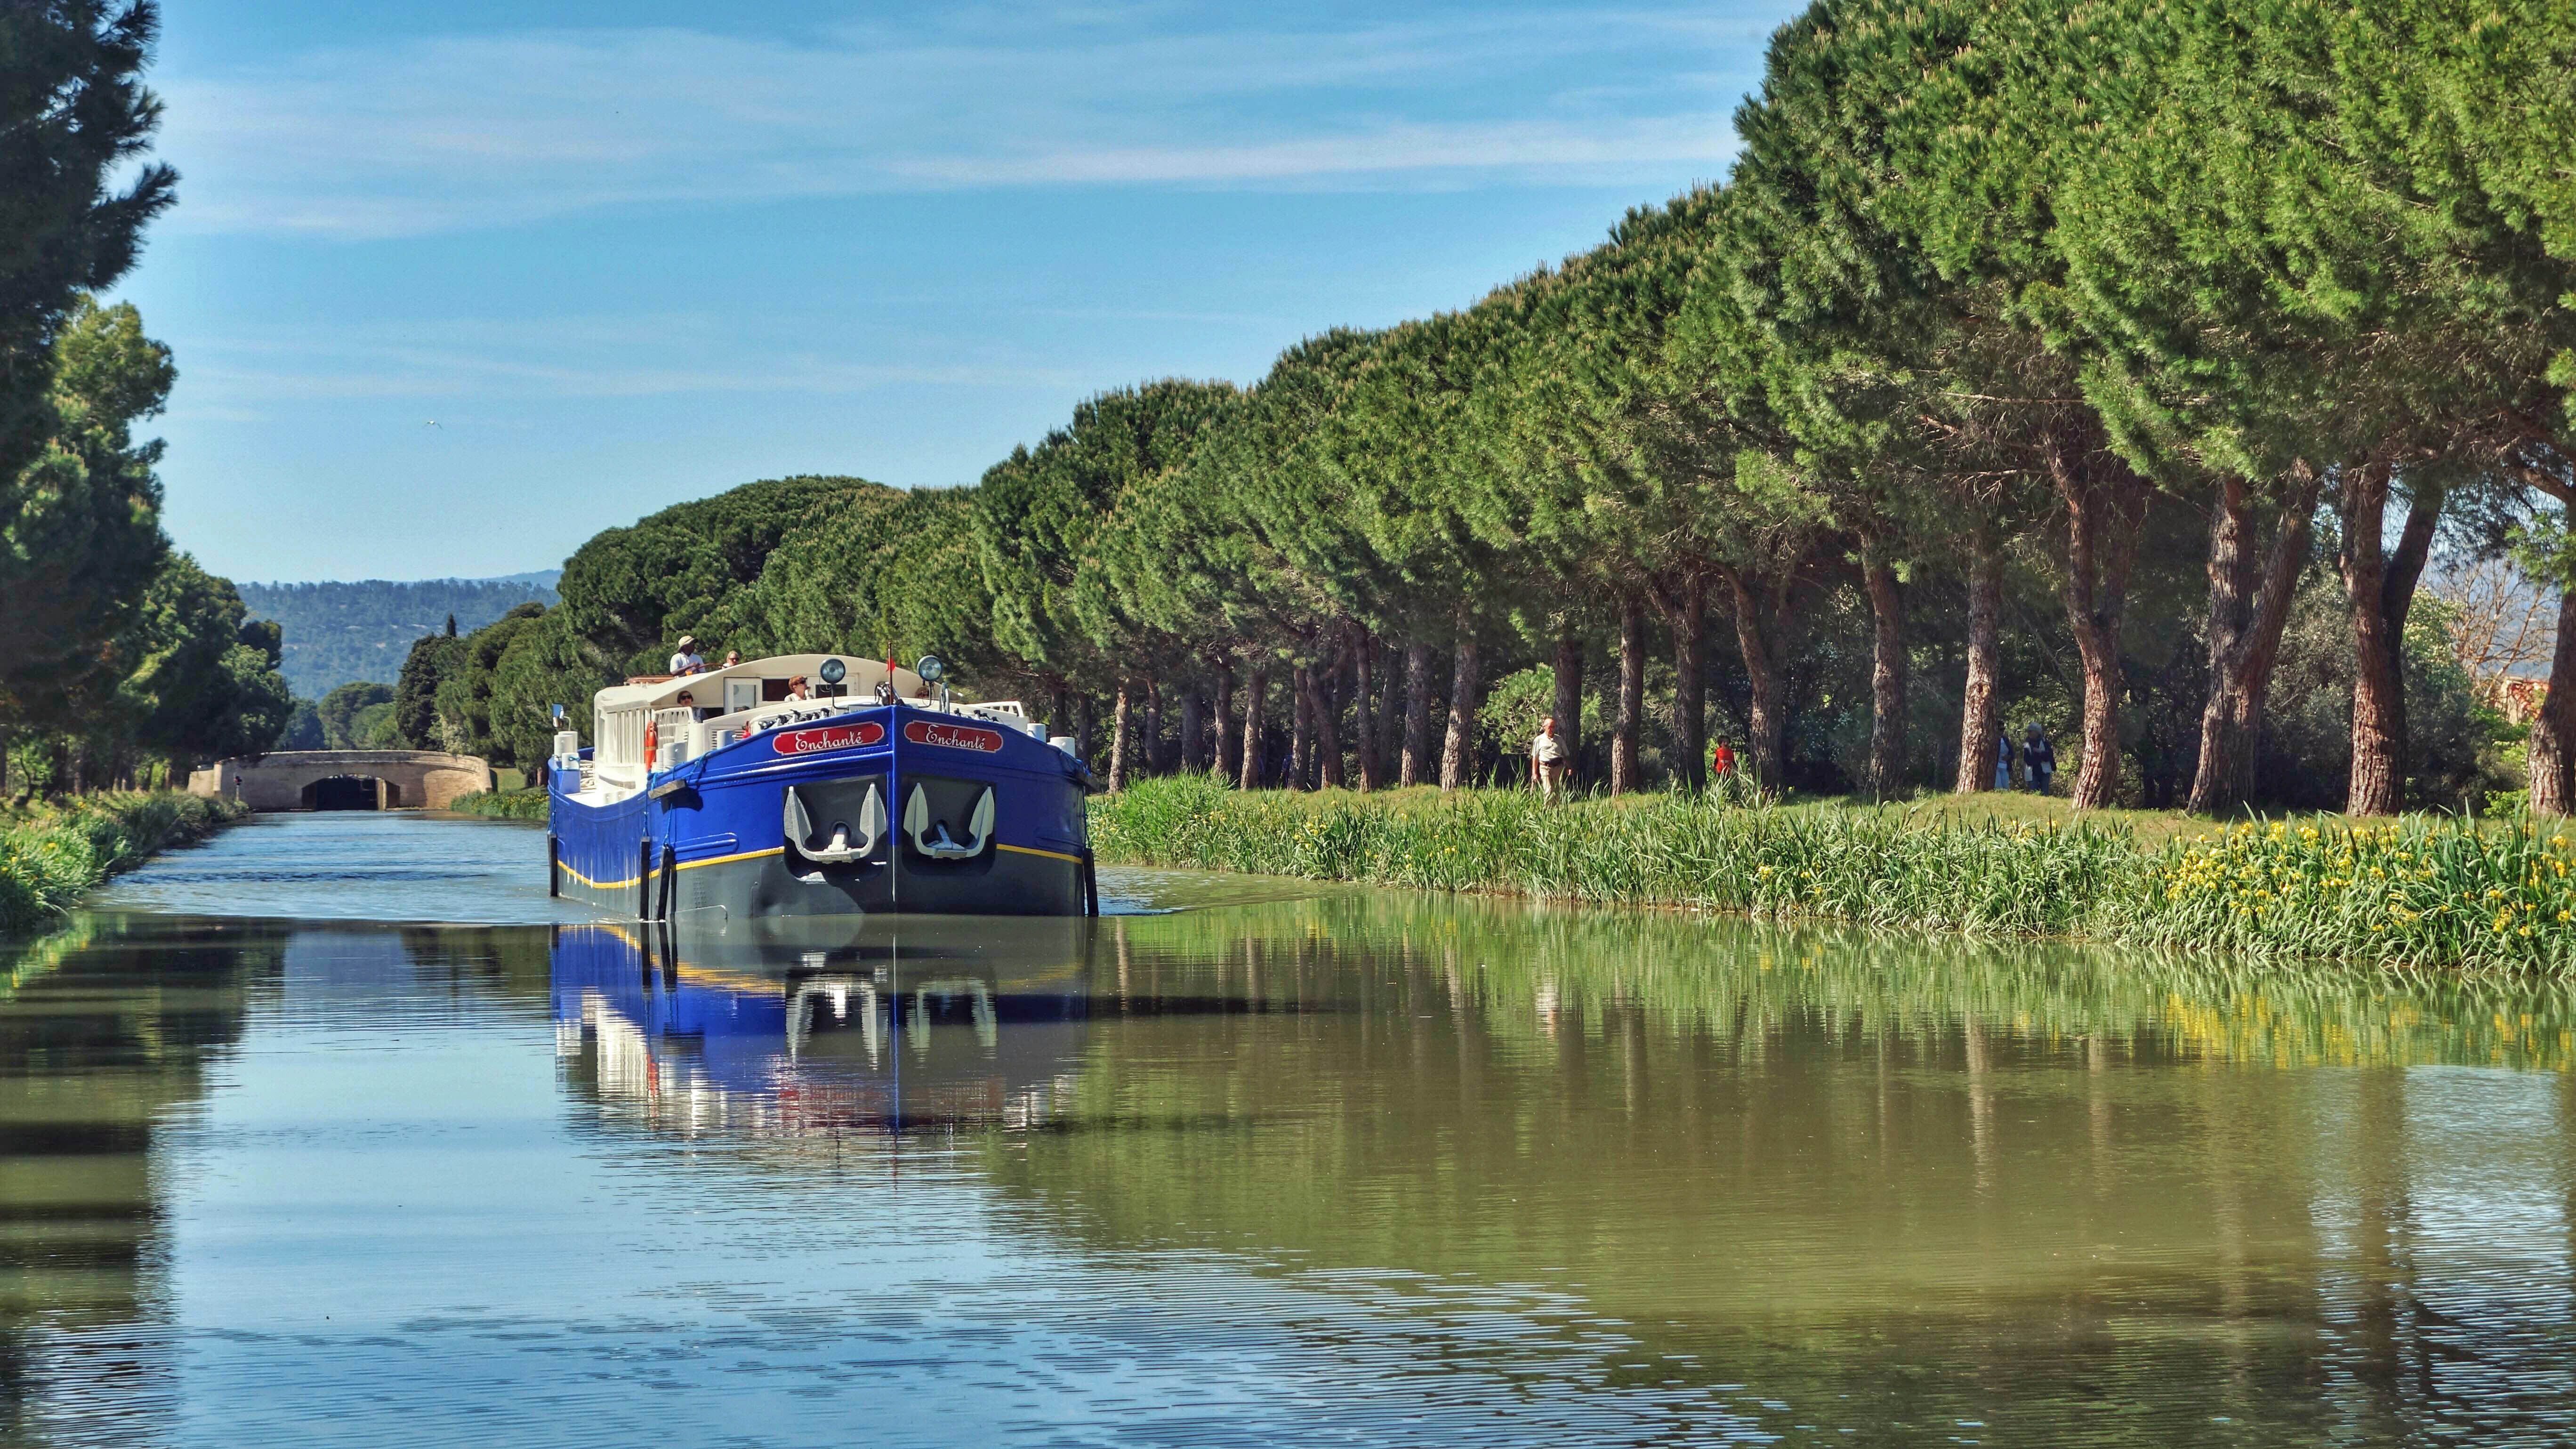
(826, 1025)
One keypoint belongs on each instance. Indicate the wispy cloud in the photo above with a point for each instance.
(473, 131)
(232, 377)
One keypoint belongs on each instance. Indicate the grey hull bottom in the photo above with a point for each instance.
(997, 883)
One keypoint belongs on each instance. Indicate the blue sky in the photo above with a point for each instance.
(628, 254)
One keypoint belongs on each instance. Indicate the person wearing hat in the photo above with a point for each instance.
(687, 660)
(2038, 760)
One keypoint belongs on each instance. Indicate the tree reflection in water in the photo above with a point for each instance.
(1350, 1164)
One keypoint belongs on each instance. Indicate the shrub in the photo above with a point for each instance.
(502, 804)
(48, 861)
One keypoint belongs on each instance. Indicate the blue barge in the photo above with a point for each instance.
(817, 1025)
(724, 795)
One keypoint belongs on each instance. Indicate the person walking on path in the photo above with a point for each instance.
(1547, 760)
(2039, 760)
(2003, 758)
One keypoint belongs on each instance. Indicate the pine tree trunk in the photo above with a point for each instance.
(1363, 709)
(1458, 747)
(1768, 716)
(1569, 699)
(1977, 731)
(1301, 737)
(1887, 679)
(2231, 624)
(1121, 739)
(1228, 764)
(1193, 732)
(2553, 730)
(2097, 647)
(1253, 705)
(1626, 731)
(2106, 505)
(1153, 758)
(2379, 592)
(1325, 742)
(2376, 787)
(1417, 713)
(2247, 613)
(1390, 715)
(1690, 695)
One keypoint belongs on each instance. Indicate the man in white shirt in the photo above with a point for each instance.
(1547, 760)
(687, 660)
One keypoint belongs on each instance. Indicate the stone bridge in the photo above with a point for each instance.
(344, 779)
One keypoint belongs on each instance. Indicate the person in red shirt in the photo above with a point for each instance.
(1721, 761)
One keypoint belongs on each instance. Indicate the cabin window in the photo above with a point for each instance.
(772, 690)
(742, 694)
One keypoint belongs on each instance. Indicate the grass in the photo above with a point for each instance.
(502, 804)
(2423, 892)
(51, 856)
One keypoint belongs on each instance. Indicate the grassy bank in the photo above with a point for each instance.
(2419, 892)
(52, 856)
(502, 804)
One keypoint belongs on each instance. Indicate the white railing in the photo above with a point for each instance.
(679, 736)
(673, 731)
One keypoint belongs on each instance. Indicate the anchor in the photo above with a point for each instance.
(932, 839)
(841, 850)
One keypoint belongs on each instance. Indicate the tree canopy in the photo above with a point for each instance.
(2124, 373)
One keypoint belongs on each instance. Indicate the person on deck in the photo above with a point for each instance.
(1547, 760)
(687, 660)
(798, 690)
(2038, 760)
(732, 658)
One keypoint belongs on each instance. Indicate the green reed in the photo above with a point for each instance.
(1892, 867)
(2418, 891)
(52, 857)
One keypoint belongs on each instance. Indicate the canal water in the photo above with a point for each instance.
(336, 1131)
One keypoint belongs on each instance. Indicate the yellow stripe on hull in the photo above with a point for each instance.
(598, 885)
(1033, 850)
(722, 859)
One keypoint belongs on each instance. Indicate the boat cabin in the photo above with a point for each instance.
(655, 722)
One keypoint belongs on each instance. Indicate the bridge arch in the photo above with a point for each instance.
(351, 792)
(343, 779)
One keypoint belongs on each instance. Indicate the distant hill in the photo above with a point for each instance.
(336, 633)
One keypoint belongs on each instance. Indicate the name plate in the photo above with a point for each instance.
(954, 737)
(826, 737)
